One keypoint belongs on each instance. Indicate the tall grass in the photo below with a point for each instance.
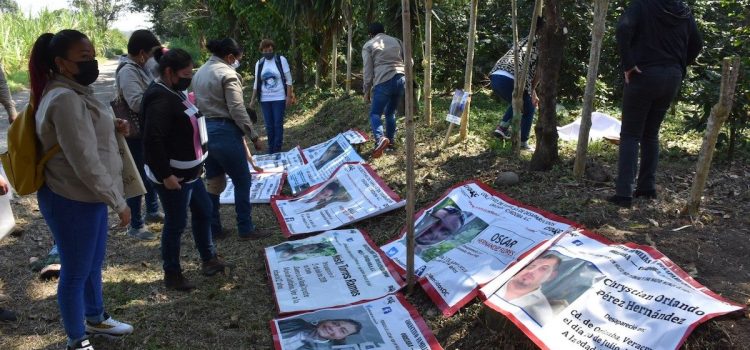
(18, 33)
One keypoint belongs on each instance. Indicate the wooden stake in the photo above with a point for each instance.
(719, 114)
(468, 73)
(520, 78)
(428, 62)
(349, 33)
(334, 61)
(408, 103)
(597, 33)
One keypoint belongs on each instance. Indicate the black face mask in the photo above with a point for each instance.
(268, 55)
(88, 71)
(182, 84)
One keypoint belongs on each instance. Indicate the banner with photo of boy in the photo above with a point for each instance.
(354, 192)
(279, 162)
(334, 268)
(262, 187)
(386, 323)
(467, 238)
(585, 292)
(322, 160)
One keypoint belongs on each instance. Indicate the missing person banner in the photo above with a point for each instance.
(262, 188)
(467, 238)
(587, 293)
(456, 109)
(354, 192)
(279, 162)
(389, 323)
(323, 159)
(333, 268)
(356, 136)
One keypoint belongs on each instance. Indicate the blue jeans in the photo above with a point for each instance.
(644, 104)
(385, 97)
(502, 87)
(226, 156)
(152, 203)
(176, 203)
(80, 232)
(273, 115)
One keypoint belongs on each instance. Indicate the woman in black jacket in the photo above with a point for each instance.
(175, 150)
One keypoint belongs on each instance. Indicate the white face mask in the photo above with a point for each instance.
(236, 64)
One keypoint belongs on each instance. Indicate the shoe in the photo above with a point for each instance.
(625, 202)
(40, 264)
(382, 144)
(256, 234)
(648, 194)
(49, 272)
(7, 316)
(525, 146)
(109, 328)
(502, 132)
(177, 281)
(84, 344)
(155, 218)
(215, 265)
(391, 148)
(219, 236)
(141, 233)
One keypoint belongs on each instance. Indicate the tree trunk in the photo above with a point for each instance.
(349, 33)
(468, 73)
(427, 62)
(408, 101)
(334, 61)
(597, 33)
(551, 46)
(520, 78)
(719, 114)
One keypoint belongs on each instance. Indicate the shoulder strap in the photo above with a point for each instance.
(281, 72)
(258, 82)
(117, 80)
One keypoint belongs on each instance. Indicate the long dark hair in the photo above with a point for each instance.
(222, 48)
(174, 58)
(42, 65)
(142, 40)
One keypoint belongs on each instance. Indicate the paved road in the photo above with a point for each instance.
(104, 89)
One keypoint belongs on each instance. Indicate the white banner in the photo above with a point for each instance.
(323, 159)
(354, 192)
(279, 162)
(467, 238)
(7, 221)
(263, 187)
(585, 293)
(333, 268)
(456, 109)
(390, 323)
(355, 136)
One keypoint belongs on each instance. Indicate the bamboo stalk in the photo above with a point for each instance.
(597, 34)
(520, 76)
(408, 100)
(428, 62)
(468, 73)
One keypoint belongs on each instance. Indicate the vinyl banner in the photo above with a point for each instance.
(263, 187)
(390, 323)
(354, 192)
(279, 162)
(323, 159)
(333, 268)
(587, 293)
(355, 136)
(467, 238)
(7, 221)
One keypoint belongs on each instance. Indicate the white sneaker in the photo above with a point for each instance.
(142, 233)
(526, 146)
(82, 345)
(110, 328)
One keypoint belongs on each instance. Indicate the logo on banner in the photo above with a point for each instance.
(387, 310)
(392, 252)
(350, 239)
(420, 270)
(578, 243)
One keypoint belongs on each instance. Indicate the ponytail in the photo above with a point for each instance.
(42, 65)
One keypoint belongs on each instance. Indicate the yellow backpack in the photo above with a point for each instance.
(24, 162)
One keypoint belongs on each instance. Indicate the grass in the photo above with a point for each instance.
(232, 312)
(18, 33)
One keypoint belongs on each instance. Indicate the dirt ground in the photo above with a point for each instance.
(232, 311)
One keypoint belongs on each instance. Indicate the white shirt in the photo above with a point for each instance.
(272, 87)
(535, 304)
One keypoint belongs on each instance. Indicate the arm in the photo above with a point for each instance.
(367, 70)
(290, 98)
(158, 126)
(249, 156)
(236, 106)
(78, 140)
(626, 29)
(254, 98)
(132, 87)
(695, 42)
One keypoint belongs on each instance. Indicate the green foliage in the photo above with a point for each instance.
(18, 33)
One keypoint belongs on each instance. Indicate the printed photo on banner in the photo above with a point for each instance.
(303, 250)
(331, 152)
(331, 193)
(549, 284)
(323, 159)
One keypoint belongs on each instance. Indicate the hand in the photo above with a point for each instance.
(367, 98)
(4, 188)
(258, 145)
(257, 169)
(124, 217)
(172, 183)
(290, 100)
(629, 72)
(122, 126)
(535, 99)
(252, 104)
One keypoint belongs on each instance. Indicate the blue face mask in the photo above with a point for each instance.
(268, 55)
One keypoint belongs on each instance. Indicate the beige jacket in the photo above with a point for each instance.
(131, 82)
(218, 94)
(89, 166)
(383, 57)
